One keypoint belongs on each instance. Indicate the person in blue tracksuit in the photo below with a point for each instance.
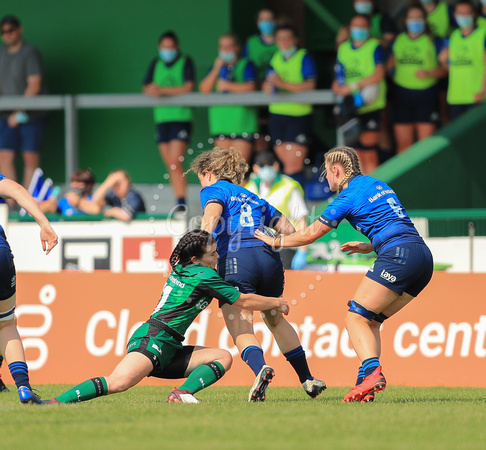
(233, 213)
(402, 270)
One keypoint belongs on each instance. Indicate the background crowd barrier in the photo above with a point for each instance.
(75, 326)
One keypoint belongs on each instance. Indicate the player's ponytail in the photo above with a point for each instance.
(193, 243)
(348, 158)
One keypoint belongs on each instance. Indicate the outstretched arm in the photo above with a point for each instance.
(255, 302)
(9, 188)
(306, 236)
(210, 219)
(357, 247)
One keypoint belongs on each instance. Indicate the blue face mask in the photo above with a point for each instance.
(288, 53)
(168, 54)
(426, 2)
(266, 26)
(483, 2)
(363, 7)
(416, 26)
(227, 57)
(267, 174)
(465, 21)
(359, 34)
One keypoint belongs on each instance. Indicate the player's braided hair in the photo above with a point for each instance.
(224, 163)
(348, 158)
(193, 243)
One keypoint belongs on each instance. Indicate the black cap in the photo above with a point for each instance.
(11, 20)
(265, 159)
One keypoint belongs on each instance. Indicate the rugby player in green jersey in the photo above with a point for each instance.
(155, 349)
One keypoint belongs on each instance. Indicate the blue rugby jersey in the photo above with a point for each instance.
(243, 213)
(374, 210)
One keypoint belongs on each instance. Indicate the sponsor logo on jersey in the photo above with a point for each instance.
(388, 276)
(176, 281)
(201, 304)
(157, 348)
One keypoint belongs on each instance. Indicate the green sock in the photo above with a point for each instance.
(203, 376)
(95, 387)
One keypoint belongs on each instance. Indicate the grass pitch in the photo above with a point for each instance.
(141, 418)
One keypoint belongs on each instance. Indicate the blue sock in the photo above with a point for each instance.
(369, 365)
(361, 375)
(181, 201)
(20, 373)
(297, 359)
(253, 356)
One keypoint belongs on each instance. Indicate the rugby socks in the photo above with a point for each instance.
(361, 375)
(203, 376)
(297, 359)
(369, 365)
(253, 356)
(87, 390)
(181, 201)
(20, 374)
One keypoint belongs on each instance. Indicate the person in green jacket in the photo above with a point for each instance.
(465, 58)
(172, 73)
(232, 125)
(440, 17)
(416, 72)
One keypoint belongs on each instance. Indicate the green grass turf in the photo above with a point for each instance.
(400, 418)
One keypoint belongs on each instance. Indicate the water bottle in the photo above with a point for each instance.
(358, 99)
(340, 76)
(274, 88)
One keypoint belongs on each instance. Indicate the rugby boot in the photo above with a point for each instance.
(314, 387)
(259, 388)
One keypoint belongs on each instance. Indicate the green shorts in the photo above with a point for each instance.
(169, 357)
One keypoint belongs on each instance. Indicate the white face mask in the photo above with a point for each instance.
(267, 174)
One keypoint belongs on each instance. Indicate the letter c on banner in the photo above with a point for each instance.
(400, 350)
(109, 318)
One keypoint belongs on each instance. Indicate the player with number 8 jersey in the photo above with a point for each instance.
(402, 270)
(233, 214)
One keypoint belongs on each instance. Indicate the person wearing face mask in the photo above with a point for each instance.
(259, 48)
(172, 73)
(361, 60)
(78, 200)
(416, 72)
(440, 17)
(291, 70)
(285, 194)
(232, 126)
(465, 57)
(382, 25)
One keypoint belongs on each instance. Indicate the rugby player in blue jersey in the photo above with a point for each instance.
(402, 270)
(233, 214)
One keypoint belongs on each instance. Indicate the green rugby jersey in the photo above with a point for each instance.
(188, 292)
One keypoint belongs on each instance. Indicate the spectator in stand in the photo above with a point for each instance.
(172, 73)
(291, 70)
(117, 193)
(78, 200)
(21, 73)
(361, 64)
(416, 72)
(232, 126)
(465, 58)
(285, 194)
(382, 25)
(440, 17)
(259, 49)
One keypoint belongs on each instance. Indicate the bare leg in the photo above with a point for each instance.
(404, 135)
(240, 325)
(31, 162)
(425, 130)
(7, 167)
(292, 156)
(285, 335)
(244, 147)
(10, 343)
(205, 355)
(129, 372)
(369, 158)
(173, 156)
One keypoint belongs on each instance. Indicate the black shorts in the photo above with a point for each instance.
(415, 105)
(370, 121)
(7, 273)
(403, 268)
(291, 129)
(173, 131)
